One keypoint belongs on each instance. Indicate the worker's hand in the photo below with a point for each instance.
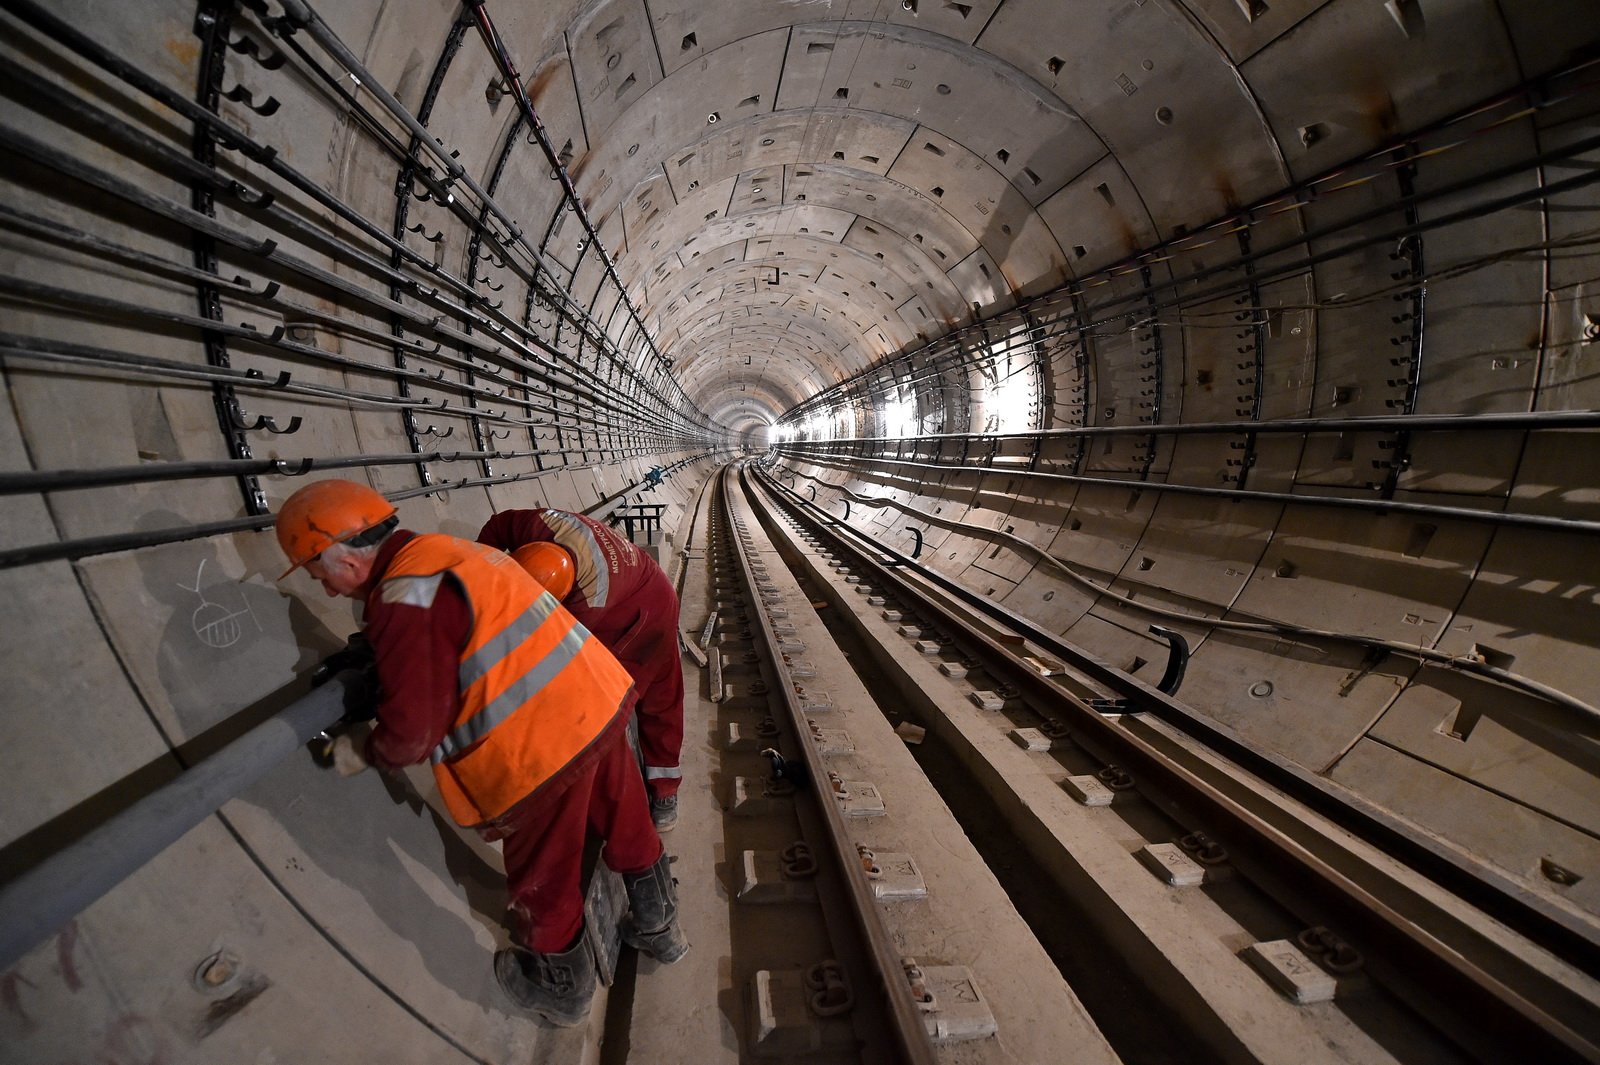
(356, 653)
(348, 759)
(362, 697)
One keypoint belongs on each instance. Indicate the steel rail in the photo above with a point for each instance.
(1377, 506)
(1495, 1006)
(907, 1025)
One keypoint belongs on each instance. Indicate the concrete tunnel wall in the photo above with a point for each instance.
(1015, 161)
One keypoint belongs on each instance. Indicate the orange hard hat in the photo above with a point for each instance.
(325, 513)
(549, 564)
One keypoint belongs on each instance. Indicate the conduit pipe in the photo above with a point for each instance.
(1377, 506)
(299, 15)
(508, 70)
(1382, 423)
(302, 15)
(38, 902)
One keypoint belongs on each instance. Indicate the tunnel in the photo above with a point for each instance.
(1267, 330)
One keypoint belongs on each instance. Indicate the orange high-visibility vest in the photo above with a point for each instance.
(536, 688)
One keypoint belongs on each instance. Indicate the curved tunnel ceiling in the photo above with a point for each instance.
(811, 188)
(843, 213)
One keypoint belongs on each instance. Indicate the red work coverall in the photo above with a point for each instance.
(628, 602)
(418, 641)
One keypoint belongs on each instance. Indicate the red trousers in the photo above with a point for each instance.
(642, 631)
(604, 794)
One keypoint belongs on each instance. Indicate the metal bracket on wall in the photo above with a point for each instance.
(211, 25)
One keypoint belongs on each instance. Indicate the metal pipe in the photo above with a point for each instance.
(439, 192)
(99, 304)
(1382, 423)
(42, 899)
(231, 137)
(226, 133)
(102, 545)
(301, 13)
(1129, 264)
(1379, 506)
(503, 62)
(67, 480)
(48, 229)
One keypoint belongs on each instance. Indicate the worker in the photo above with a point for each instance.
(522, 715)
(627, 601)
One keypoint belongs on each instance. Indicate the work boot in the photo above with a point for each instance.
(558, 987)
(664, 812)
(652, 925)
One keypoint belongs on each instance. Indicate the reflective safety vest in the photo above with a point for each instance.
(536, 688)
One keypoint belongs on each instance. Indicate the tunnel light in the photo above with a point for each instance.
(900, 417)
(1008, 402)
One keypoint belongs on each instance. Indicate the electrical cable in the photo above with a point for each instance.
(1474, 665)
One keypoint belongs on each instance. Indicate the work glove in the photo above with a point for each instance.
(356, 653)
(362, 696)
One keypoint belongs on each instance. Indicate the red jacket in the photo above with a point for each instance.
(610, 569)
(503, 737)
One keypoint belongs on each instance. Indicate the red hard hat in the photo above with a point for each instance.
(325, 513)
(549, 564)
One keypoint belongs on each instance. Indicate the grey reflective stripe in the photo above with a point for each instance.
(580, 538)
(411, 591)
(506, 640)
(507, 702)
(657, 772)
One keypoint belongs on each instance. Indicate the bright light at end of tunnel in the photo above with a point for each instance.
(1008, 402)
(900, 417)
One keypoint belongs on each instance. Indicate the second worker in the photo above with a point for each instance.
(627, 601)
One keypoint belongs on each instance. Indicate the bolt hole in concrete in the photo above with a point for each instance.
(217, 974)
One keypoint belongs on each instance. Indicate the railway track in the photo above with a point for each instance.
(947, 839)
